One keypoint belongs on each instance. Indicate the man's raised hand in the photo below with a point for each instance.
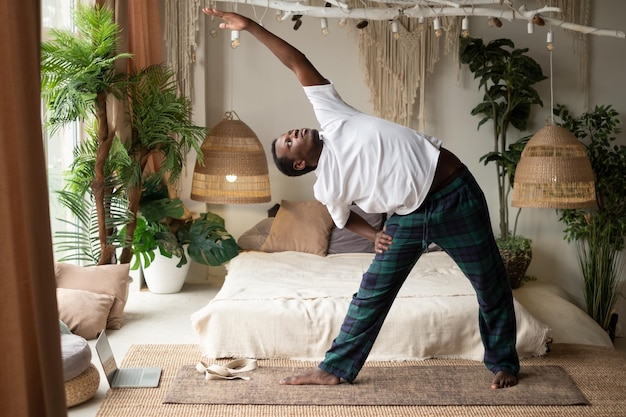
(231, 21)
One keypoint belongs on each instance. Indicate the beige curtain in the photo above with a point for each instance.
(140, 21)
(31, 382)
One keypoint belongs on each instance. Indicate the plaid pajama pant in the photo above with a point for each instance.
(456, 218)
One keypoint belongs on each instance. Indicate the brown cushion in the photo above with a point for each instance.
(84, 312)
(101, 279)
(302, 226)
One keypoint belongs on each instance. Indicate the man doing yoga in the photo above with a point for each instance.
(428, 194)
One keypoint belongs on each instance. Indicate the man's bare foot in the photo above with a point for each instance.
(504, 380)
(315, 376)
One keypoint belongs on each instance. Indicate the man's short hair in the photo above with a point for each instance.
(285, 165)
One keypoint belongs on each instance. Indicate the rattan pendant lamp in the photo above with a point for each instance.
(554, 170)
(235, 167)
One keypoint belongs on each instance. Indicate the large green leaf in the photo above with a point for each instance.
(75, 68)
(209, 242)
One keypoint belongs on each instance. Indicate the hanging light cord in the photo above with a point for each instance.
(551, 77)
(551, 91)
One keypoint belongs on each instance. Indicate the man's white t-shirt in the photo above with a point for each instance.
(380, 166)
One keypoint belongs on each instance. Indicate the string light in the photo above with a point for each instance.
(234, 39)
(394, 29)
(421, 23)
(437, 26)
(549, 40)
(465, 27)
(324, 25)
(343, 22)
(279, 16)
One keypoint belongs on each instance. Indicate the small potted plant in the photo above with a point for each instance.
(166, 233)
(507, 76)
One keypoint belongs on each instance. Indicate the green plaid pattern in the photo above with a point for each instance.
(456, 218)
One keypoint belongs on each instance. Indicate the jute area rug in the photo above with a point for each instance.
(599, 373)
(380, 386)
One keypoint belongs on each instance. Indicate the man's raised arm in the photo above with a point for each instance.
(291, 57)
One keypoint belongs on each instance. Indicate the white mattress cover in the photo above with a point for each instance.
(292, 304)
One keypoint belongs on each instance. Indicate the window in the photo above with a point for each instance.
(59, 147)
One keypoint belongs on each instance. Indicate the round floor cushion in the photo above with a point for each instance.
(81, 376)
(76, 355)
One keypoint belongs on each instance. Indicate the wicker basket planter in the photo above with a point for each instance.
(516, 254)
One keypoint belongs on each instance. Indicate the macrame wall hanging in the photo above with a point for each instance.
(180, 34)
(396, 69)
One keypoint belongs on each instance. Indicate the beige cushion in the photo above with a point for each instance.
(101, 279)
(84, 312)
(302, 226)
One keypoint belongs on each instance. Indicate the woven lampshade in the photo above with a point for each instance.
(235, 168)
(554, 172)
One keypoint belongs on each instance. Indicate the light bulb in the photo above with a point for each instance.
(437, 26)
(465, 27)
(549, 40)
(394, 30)
(324, 25)
(530, 27)
(234, 39)
(279, 16)
(420, 24)
(231, 178)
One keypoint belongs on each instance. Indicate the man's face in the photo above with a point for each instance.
(298, 145)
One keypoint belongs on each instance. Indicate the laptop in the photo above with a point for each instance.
(124, 377)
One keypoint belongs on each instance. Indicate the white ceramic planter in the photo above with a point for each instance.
(163, 277)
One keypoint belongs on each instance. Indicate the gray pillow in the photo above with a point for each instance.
(344, 241)
(76, 355)
(253, 238)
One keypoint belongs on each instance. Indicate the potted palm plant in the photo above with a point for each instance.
(78, 75)
(111, 176)
(506, 76)
(599, 233)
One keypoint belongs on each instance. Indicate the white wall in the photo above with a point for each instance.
(268, 98)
